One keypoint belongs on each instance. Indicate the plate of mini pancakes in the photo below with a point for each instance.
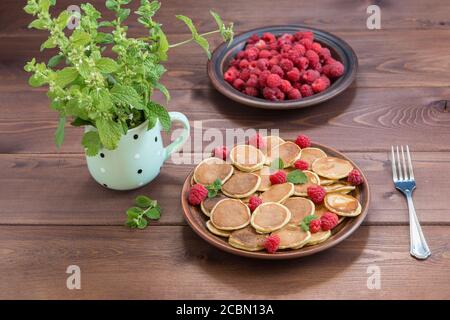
(227, 222)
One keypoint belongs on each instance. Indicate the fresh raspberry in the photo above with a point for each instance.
(307, 43)
(264, 54)
(252, 81)
(271, 243)
(229, 76)
(285, 86)
(277, 70)
(334, 70)
(197, 194)
(253, 39)
(308, 35)
(220, 152)
(279, 95)
(251, 91)
(252, 65)
(293, 75)
(255, 71)
(287, 37)
(273, 80)
(261, 44)
(257, 141)
(286, 64)
(328, 221)
(324, 53)
(315, 225)
(293, 55)
(273, 45)
(306, 90)
(274, 61)
(238, 84)
(316, 47)
(243, 64)
(302, 63)
(301, 165)
(294, 94)
(254, 203)
(245, 74)
(303, 141)
(299, 48)
(251, 54)
(320, 84)
(316, 193)
(311, 75)
(329, 60)
(268, 37)
(317, 67)
(278, 177)
(312, 57)
(240, 55)
(355, 177)
(270, 94)
(263, 77)
(262, 64)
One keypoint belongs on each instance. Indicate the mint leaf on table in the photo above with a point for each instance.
(144, 202)
(214, 188)
(154, 213)
(306, 221)
(297, 177)
(146, 209)
(276, 165)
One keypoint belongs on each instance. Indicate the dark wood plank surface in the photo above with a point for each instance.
(52, 214)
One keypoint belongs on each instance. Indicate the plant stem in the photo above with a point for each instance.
(189, 40)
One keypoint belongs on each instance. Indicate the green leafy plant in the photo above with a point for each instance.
(146, 208)
(112, 93)
(214, 188)
(306, 221)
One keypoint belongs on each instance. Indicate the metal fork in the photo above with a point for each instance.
(403, 177)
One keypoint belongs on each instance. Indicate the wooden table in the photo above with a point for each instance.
(53, 214)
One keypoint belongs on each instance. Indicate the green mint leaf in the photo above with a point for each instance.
(212, 193)
(218, 20)
(154, 213)
(66, 76)
(163, 89)
(55, 60)
(201, 41)
(36, 80)
(304, 226)
(104, 38)
(79, 122)
(80, 38)
(109, 131)
(163, 46)
(144, 202)
(297, 177)
(91, 142)
(306, 221)
(102, 99)
(126, 95)
(37, 24)
(276, 165)
(214, 188)
(63, 18)
(111, 4)
(142, 223)
(161, 113)
(59, 134)
(48, 44)
(152, 120)
(106, 65)
(134, 212)
(122, 14)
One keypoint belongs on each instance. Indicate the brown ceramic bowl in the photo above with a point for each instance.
(340, 50)
(197, 220)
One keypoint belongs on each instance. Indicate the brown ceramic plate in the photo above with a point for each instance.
(197, 220)
(340, 50)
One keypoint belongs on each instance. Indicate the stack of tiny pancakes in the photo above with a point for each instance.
(284, 206)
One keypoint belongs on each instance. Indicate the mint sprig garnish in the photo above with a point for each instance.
(306, 221)
(146, 208)
(214, 188)
(297, 177)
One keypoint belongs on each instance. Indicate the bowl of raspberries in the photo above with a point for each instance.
(283, 67)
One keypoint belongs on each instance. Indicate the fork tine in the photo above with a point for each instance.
(399, 165)
(405, 171)
(394, 168)
(410, 167)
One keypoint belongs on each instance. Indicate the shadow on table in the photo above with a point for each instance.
(314, 116)
(273, 279)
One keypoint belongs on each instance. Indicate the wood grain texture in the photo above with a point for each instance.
(172, 262)
(381, 116)
(52, 189)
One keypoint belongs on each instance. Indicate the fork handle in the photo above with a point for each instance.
(418, 245)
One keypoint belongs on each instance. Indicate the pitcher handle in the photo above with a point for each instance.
(178, 142)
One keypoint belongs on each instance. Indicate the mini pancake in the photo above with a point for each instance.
(241, 185)
(247, 239)
(292, 236)
(302, 189)
(217, 232)
(208, 204)
(320, 210)
(318, 237)
(264, 173)
(247, 158)
(332, 168)
(288, 151)
(211, 169)
(230, 214)
(278, 192)
(270, 216)
(311, 154)
(342, 204)
(299, 208)
(271, 142)
(339, 187)
(326, 182)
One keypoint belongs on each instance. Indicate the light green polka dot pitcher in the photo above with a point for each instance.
(138, 157)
